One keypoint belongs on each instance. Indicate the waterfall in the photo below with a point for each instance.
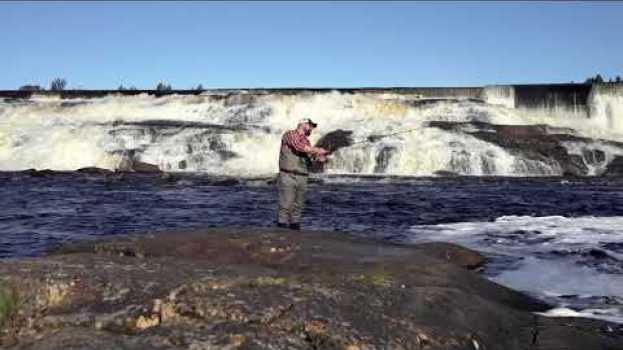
(238, 132)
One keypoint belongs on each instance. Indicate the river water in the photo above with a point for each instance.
(559, 239)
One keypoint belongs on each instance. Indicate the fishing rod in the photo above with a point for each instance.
(337, 139)
(375, 138)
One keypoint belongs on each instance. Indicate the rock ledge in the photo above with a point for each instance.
(260, 288)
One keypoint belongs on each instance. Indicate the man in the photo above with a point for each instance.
(294, 158)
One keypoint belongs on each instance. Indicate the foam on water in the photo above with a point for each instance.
(574, 262)
(612, 315)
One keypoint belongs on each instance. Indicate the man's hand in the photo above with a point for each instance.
(320, 154)
(319, 159)
(320, 151)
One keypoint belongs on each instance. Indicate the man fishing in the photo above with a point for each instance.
(295, 157)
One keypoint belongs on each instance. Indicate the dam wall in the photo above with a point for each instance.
(558, 97)
(605, 104)
(551, 97)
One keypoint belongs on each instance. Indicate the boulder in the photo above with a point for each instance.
(142, 167)
(453, 254)
(615, 167)
(445, 173)
(332, 142)
(94, 171)
(131, 165)
(38, 173)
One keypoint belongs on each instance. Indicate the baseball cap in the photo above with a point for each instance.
(308, 121)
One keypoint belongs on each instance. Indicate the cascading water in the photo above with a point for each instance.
(238, 134)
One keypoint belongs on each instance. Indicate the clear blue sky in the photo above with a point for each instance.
(314, 44)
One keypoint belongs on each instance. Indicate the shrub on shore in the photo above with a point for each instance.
(30, 87)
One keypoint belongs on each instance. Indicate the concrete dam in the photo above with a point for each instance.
(498, 130)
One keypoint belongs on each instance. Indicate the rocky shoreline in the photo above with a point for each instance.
(262, 288)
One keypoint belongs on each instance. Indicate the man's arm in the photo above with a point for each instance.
(301, 144)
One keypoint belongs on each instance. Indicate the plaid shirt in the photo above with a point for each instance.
(296, 141)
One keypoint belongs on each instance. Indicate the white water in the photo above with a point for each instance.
(70, 134)
(567, 260)
(500, 95)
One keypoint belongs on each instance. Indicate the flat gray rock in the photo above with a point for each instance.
(261, 288)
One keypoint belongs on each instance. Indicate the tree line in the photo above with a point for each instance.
(60, 84)
(598, 79)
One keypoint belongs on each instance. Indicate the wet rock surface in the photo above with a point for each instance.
(260, 288)
(537, 142)
(94, 171)
(334, 140)
(615, 168)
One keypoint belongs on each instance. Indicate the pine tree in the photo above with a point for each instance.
(58, 84)
(163, 87)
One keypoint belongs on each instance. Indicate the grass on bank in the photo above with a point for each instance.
(8, 303)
